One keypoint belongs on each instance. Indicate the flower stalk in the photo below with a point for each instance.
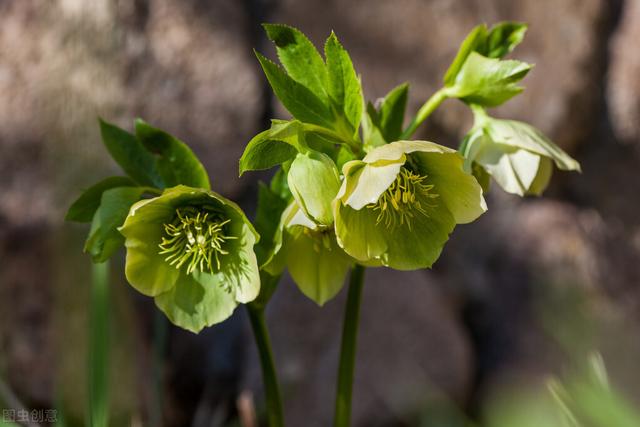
(348, 348)
(424, 112)
(273, 399)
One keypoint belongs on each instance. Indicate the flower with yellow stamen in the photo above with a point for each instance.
(398, 205)
(192, 250)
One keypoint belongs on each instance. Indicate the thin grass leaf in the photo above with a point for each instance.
(98, 411)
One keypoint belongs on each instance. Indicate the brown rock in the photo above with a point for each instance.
(623, 85)
(179, 65)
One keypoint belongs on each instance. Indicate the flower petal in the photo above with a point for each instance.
(523, 135)
(243, 276)
(365, 183)
(542, 178)
(458, 189)
(402, 247)
(513, 169)
(316, 263)
(356, 232)
(198, 300)
(394, 151)
(420, 246)
(146, 270)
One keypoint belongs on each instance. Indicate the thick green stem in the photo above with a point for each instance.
(348, 348)
(275, 417)
(424, 112)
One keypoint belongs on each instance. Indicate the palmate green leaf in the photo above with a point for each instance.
(300, 58)
(345, 89)
(279, 185)
(383, 125)
(475, 39)
(273, 146)
(500, 40)
(371, 134)
(83, 209)
(176, 162)
(489, 82)
(392, 110)
(503, 38)
(264, 152)
(131, 155)
(301, 102)
(104, 238)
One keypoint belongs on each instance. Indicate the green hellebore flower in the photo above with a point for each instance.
(518, 156)
(310, 252)
(192, 250)
(398, 205)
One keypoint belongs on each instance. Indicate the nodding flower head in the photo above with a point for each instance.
(398, 205)
(518, 156)
(192, 250)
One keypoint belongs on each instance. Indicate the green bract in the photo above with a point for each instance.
(496, 42)
(518, 156)
(488, 81)
(398, 205)
(192, 250)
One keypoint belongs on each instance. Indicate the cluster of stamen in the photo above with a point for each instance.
(195, 239)
(409, 195)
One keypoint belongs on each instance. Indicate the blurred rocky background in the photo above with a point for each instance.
(515, 295)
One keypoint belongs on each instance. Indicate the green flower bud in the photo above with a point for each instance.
(192, 250)
(314, 181)
(518, 156)
(398, 205)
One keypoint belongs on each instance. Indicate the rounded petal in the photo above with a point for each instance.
(459, 190)
(402, 247)
(198, 300)
(395, 150)
(420, 246)
(146, 270)
(242, 274)
(542, 178)
(513, 169)
(316, 263)
(356, 232)
(365, 184)
(525, 136)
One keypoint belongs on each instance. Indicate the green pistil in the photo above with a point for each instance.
(195, 239)
(409, 195)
